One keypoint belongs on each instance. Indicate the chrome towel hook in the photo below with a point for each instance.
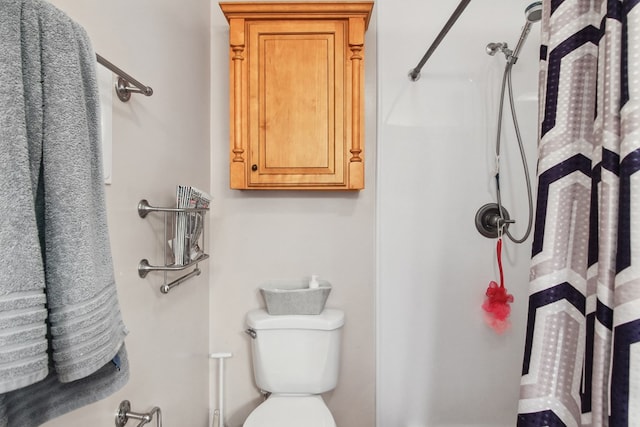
(124, 413)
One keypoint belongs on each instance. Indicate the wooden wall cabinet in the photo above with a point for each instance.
(296, 94)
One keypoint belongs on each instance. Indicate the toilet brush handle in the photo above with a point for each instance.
(216, 419)
(219, 412)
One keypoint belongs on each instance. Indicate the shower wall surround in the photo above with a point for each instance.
(438, 363)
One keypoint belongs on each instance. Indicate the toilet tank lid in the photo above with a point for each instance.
(329, 319)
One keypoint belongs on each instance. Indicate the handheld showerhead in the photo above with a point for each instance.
(533, 14)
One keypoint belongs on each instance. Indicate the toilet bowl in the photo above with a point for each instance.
(291, 411)
(295, 359)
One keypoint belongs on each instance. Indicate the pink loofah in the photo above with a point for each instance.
(496, 305)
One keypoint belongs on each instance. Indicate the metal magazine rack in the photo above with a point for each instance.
(184, 242)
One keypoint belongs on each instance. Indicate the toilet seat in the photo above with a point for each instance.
(291, 411)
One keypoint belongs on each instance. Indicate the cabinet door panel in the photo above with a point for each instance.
(288, 91)
(297, 74)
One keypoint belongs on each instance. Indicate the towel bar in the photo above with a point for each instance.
(123, 90)
(144, 267)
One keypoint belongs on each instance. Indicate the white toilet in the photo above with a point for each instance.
(295, 358)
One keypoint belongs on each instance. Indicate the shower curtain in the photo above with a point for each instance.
(582, 351)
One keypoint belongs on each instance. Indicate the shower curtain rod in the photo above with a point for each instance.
(123, 89)
(414, 74)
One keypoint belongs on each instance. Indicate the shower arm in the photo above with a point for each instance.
(414, 74)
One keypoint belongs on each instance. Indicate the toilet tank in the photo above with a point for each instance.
(296, 354)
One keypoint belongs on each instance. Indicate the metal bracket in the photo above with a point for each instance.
(123, 86)
(123, 410)
(123, 90)
(124, 413)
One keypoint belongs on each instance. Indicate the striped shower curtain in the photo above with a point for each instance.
(582, 352)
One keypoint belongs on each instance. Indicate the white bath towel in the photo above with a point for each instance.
(59, 313)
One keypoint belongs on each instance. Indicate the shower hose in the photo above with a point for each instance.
(506, 82)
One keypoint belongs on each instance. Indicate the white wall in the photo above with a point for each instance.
(180, 135)
(438, 363)
(158, 142)
(259, 236)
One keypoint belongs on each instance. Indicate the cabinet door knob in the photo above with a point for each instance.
(254, 168)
